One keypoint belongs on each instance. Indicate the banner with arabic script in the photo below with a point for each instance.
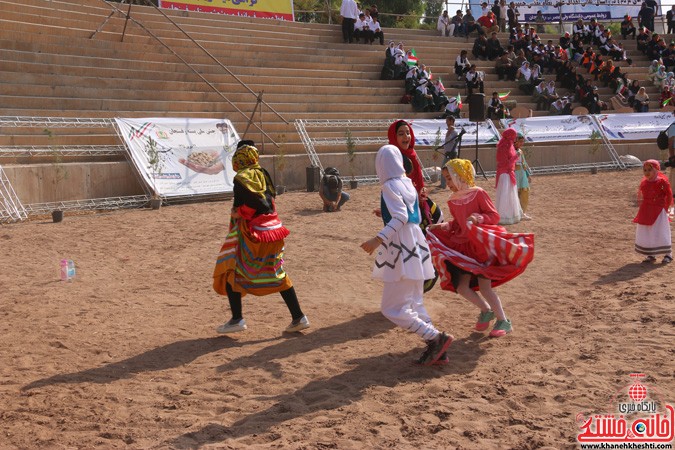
(634, 127)
(432, 131)
(571, 10)
(268, 9)
(553, 128)
(181, 157)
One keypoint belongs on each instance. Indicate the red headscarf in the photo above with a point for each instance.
(506, 154)
(416, 173)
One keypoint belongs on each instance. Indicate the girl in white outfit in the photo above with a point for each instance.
(403, 259)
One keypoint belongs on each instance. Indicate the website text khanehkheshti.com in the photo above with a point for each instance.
(627, 445)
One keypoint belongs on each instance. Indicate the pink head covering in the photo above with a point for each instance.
(506, 154)
(654, 163)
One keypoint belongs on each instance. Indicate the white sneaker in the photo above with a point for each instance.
(298, 325)
(526, 217)
(232, 327)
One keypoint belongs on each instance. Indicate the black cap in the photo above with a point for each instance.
(245, 142)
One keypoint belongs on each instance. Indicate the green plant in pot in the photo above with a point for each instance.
(60, 174)
(351, 158)
(596, 143)
(155, 165)
(279, 163)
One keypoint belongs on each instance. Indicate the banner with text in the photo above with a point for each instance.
(553, 128)
(571, 10)
(431, 132)
(635, 127)
(268, 9)
(617, 127)
(182, 157)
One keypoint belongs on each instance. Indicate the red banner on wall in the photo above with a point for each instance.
(268, 9)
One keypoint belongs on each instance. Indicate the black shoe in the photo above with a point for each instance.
(435, 349)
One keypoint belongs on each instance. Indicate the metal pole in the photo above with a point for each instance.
(126, 22)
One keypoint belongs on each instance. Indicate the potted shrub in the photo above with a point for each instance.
(60, 174)
(279, 160)
(596, 143)
(155, 165)
(351, 158)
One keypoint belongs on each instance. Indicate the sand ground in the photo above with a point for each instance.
(126, 356)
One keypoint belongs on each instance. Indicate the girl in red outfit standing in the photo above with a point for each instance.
(507, 200)
(652, 236)
(472, 253)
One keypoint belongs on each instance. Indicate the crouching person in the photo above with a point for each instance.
(330, 190)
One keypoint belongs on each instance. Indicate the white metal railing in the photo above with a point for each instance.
(11, 209)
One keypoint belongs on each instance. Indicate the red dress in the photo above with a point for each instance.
(484, 249)
(656, 196)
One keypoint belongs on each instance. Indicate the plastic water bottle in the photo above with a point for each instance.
(67, 270)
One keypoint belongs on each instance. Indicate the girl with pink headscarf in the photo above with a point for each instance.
(506, 197)
(655, 196)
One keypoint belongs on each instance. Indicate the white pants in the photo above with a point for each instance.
(402, 304)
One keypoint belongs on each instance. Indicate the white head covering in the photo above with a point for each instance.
(390, 171)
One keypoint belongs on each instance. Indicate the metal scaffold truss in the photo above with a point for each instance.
(55, 122)
(72, 151)
(11, 209)
(93, 204)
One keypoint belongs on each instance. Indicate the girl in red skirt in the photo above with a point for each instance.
(652, 236)
(472, 253)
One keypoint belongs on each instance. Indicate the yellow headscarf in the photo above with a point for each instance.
(249, 172)
(462, 173)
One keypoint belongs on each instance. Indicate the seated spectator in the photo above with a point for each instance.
(540, 22)
(400, 66)
(496, 109)
(362, 30)
(560, 107)
(484, 9)
(474, 79)
(593, 102)
(641, 102)
(627, 27)
(539, 97)
(536, 77)
(462, 65)
(660, 76)
(438, 94)
(470, 24)
(652, 49)
(505, 68)
(642, 39)
(524, 78)
(550, 92)
(452, 109)
(669, 81)
(445, 25)
(488, 23)
(494, 48)
(666, 95)
(520, 59)
(458, 22)
(330, 190)
(582, 30)
(377, 30)
(387, 72)
(480, 50)
(668, 56)
(608, 73)
(423, 72)
(652, 69)
(422, 100)
(633, 89)
(565, 41)
(411, 80)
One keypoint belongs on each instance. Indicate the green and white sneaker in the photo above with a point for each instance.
(501, 328)
(484, 319)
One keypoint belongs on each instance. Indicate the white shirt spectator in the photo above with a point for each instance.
(360, 24)
(349, 9)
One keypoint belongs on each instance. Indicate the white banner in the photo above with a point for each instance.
(571, 10)
(553, 128)
(634, 127)
(431, 132)
(180, 157)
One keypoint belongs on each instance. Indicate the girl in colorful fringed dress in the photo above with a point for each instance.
(472, 253)
(250, 260)
(403, 260)
(652, 236)
(508, 204)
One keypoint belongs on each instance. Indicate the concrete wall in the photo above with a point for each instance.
(40, 183)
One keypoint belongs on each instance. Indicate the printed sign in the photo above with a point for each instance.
(432, 131)
(571, 10)
(634, 127)
(182, 157)
(269, 9)
(553, 128)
